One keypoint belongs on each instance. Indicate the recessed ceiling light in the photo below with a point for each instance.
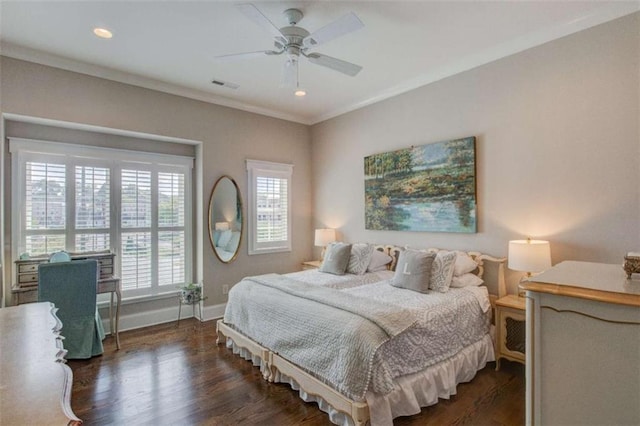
(300, 93)
(102, 32)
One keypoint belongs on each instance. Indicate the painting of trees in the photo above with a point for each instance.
(423, 188)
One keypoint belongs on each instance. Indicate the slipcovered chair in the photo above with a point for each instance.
(71, 286)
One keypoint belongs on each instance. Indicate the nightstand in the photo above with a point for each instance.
(510, 329)
(311, 264)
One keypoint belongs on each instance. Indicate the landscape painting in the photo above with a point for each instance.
(423, 188)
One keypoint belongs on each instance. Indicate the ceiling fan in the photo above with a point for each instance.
(294, 41)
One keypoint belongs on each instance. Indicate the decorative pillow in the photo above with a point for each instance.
(336, 258)
(442, 273)
(466, 280)
(233, 243)
(360, 257)
(413, 270)
(464, 264)
(379, 261)
(224, 238)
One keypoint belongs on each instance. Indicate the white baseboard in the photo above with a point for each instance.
(213, 312)
(160, 316)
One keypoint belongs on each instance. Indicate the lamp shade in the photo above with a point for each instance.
(222, 226)
(529, 255)
(324, 237)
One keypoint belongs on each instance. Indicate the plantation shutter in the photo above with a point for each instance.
(45, 207)
(136, 229)
(272, 209)
(93, 209)
(171, 238)
(269, 206)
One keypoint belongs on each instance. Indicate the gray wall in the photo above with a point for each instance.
(229, 137)
(558, 148)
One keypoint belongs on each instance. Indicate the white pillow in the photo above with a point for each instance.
(464, 264)
(379, 261)
(442, 272)
(360, 258)
(225, 237)
(466, 280)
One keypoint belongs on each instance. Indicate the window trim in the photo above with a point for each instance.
(255, 169)
(23, 150)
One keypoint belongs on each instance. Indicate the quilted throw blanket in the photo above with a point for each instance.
(332, 335)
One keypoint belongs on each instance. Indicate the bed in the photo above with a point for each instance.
(362, 349)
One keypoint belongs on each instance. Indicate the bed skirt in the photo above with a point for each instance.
(412, 392)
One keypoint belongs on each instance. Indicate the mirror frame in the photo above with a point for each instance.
(212, 223)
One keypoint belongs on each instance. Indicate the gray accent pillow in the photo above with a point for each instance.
(336, 258)
(443, 268)
(360, 257)
(413, 270)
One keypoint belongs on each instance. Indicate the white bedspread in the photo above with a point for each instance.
(445, 323)
(330, 334)
(313, 276)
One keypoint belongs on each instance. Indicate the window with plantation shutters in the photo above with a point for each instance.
(269, 206)
(80, 198)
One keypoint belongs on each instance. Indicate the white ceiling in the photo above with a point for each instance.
(170, 45)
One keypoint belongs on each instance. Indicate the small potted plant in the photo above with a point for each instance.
(190, 293)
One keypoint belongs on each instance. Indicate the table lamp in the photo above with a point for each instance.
(323, 237)
(530, 256)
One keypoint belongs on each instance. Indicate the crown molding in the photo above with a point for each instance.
(604, 14)
(17, 51)
(484, 57)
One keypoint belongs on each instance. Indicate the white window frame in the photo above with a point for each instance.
(116, 159)
(256, 169)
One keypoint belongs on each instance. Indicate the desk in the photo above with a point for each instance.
(112, 286)
(35, 381)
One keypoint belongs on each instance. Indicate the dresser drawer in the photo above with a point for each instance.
(106, 271)
(25, 279)
(23, 269)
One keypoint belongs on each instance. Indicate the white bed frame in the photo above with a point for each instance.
(271, 362)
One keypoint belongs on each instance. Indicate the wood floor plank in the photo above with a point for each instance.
(167, 374)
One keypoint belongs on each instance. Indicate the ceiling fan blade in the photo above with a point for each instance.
(348, 23)
(253, 13)
(335, 64)
(245, 55)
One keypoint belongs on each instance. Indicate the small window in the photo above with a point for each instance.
(269, 206)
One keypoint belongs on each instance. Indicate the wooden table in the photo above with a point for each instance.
(35, 381)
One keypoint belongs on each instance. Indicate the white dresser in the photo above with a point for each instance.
(583, 346)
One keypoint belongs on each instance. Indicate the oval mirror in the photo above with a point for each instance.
(225, 219)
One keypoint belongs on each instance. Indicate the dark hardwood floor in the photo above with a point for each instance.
(178, 375)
